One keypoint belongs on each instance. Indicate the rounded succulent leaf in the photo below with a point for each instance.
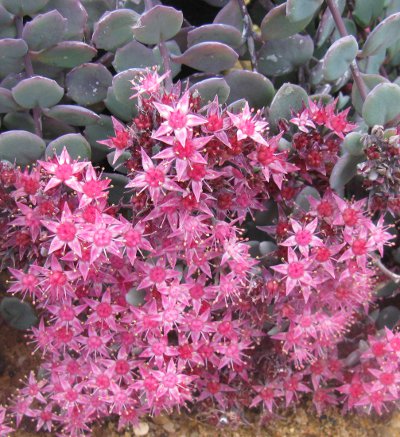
(302, 199)
(114, 29)
(117, 190)
(53, 128)
(122, 110)
(75, 14)
(365, 11)
(21, 147)
(66, 54)
(99, 131)
(383, 35)
(382, 104)
(352, 144)
(173, 50)
(159, 23)
(370, 81)
(298, 10)
(12, 52)
(45, 30)
(279, 57)
(209, 88)
(136, 297)
(72, 114)
(37, 91)
(76, 145)
(24, 7)
(19, 315)
(254, 87)
(133, 55)
(231, 14)
(95, 9)
(339, 57)
(288, 98)
(344, 170)
(6, 18)
(388, 317)
(215, 32)
(19, 121)
(7, 102)
(276, 25)
(211, 57)
(118, 165)
(88, 84)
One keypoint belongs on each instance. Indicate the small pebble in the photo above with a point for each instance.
(141, 429)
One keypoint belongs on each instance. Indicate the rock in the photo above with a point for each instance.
(141, 429)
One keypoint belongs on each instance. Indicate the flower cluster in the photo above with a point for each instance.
(158, 304)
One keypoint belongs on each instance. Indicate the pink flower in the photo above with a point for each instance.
(303, 237)
(120, 142)
(148, 82)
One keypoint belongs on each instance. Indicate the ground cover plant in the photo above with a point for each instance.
(202, 218)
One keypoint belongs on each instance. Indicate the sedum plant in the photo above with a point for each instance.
(232, 249)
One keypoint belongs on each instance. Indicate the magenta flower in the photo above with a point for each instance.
(303, 237)
(120, 142)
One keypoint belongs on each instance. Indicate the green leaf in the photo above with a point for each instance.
(117, 191)
(279, 57)
(382, 104)
(72, 114)
(75, 14)
(66, 54)
(44, 30)
(88, 84)
(298, 10)
(211, 57)
(352, 144)
(99, 131)
(12, 52)
(24, 7)
(19, 121)
(386, 33)
(276, 25)
(327, 25)
(173, 50)
(288, 98)
(114, 29)
(338, 58)
(224, 33)
(231, 15)
(254, 87)
(160, 23)
(344, 170)
(122, 110)
(95, 9)
(301, 199)
(209, 88)
(133, 55)
(370, 81)
(37, 91)
(20, 146)
(76, 145)
(7, 102)
(19, 315)
(366, 11)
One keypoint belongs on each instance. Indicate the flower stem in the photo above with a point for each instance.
(393, 276)
(355, 71)
(167, 64)
(36, 112)
(248, 34)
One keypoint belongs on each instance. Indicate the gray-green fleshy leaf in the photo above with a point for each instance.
(88, 84)
(24, 7)
(53, 128)
(254, 87)
(7, 102)
(301, 199)
(276, 25)
(386, 33)
(12, 52)
(72, 114)
(21, 147)
(121, 84)
(370, 81)
(37, 91)
(224, 33)
(121, 110)
(382, 104)
(66, 54)
(352, 144)
(45, 30)
(17, 314)
(76, 15)
(76, 145)
(19, 121)
(117, 189)
(99, 131)
(95, 9)
(133, 55)
(298, 10)
(136, 297)
(365, 11)
(114, 29)
(388, 317)
(118, 165)
(210, 57)
(338, 58)
(173, 50)
(279, 57)
(209, 88)
(344, 170)
(159, 23)
(230, 14)
(350, 27)
(289, 98)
